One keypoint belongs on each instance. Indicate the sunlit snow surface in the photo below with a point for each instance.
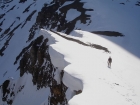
(85, 67)
(118, 85)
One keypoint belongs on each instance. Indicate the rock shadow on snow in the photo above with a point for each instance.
(108, 33)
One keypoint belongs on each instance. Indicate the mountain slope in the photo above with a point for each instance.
(55, 52)
(101, 85)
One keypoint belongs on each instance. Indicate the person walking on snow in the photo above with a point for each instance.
(109, 62)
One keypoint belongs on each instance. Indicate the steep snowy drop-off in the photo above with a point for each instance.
(32, 58)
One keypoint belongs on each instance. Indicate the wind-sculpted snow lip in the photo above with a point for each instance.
(108, 33)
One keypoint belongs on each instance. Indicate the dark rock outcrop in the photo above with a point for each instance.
(11, 9)
(138, 3)
(2, 15)
(22, 1)
(78, 92)
(35, 59)
(27, 9)
(49, 18)
(5, 86)
(8, 91)
(28, 18)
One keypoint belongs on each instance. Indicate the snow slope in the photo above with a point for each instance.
(101, 85)
(110, 15)
(85, 68)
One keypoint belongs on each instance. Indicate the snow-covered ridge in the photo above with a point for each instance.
(90, 65)
(40, 64)
(35, 64)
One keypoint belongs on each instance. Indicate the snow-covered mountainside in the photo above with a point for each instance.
(55, 52)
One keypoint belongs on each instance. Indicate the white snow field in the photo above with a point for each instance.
(101, 85)
(85, 68)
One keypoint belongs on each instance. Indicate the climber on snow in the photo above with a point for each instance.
(109, 62)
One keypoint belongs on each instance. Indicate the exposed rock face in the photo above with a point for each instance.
(78, 92)
(8, 91)
(35, 59)
(22, 1)
(5, 86)
(108, 33)
(58, 94)
(51, 16)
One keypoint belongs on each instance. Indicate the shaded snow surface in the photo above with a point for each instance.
(85, 67)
